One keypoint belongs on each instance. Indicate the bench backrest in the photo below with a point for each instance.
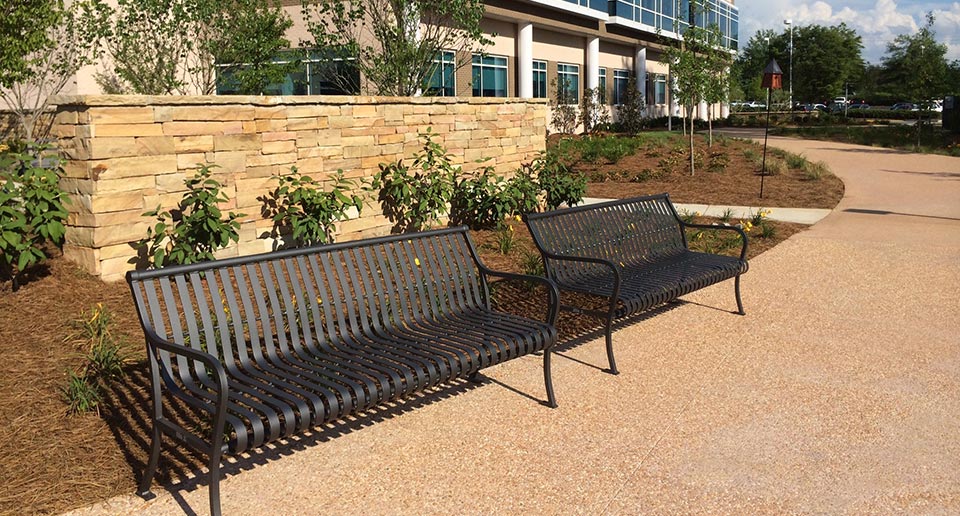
(263, 304)
(628, 231)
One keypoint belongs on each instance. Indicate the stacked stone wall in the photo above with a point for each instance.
(129, 154)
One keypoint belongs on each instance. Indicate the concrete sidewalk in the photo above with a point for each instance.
(799, 215)
(837, 393)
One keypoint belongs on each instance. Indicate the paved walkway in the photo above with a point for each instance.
(838, 392)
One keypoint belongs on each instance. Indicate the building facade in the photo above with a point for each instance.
(590, 43)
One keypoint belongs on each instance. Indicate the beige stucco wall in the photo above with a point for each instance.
(129, 154)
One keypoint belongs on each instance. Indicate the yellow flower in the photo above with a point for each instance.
(416, 261)
(511, 228)
(696, 214)
(517, 218)
(319, 301)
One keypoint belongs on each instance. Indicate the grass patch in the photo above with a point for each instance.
(933, 140)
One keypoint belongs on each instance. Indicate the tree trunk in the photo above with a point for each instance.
(709, 127)
(691, 140)
(919, 126)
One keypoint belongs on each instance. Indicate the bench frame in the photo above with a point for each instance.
(541, 239)
(212, 374)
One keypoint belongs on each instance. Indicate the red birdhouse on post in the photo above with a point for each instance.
(772, 76)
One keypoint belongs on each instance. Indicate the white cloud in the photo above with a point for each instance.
(878, 22)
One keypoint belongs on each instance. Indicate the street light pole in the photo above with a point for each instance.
(789, 23)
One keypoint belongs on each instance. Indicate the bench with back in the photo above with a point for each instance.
(633, 252)
(271, 345)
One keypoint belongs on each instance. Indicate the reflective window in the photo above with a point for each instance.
(443, 78)
(539, 79)
(569, 76)
(489, 76)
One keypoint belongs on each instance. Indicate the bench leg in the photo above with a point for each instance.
(475, 377)
(609, 338)
(215, 486)
(736, 287)
(548, 379)
(151, 469)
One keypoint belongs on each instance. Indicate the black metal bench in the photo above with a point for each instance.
(270, 345)
(633, 252)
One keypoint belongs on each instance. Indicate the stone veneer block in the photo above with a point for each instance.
(129, 154)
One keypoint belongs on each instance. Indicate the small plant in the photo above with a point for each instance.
(196, 229)
(81, 394)
(688, 217)
(718, 162)
(103, 361)
(813, 171)
(775, 167)
(796, 161)
(726, 215)
(644, 175)
(524, 188)
(757, 218)
(301, 208)
(416, 196)
(531, 263)
(750, 154)
(32, 209)
(767, 230)
(505, 239)
(563, 107)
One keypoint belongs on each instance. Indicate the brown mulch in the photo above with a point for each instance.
(738, 184)
(51, 461)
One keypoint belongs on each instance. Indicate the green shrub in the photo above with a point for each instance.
(32, 209)
(718, 162)
(81, 394)
(775, 167)
(482, 200)
(416, 196)
(558, 181)
(196, 229)
(524, 189)
(299, 207)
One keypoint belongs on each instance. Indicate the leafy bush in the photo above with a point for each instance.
(630, 115)
(593, 113)
(32, 209)
(563, 107)
(558, 181)
(415, 196)
(482, 200)
(718, 162)
(524, 189)
(301, 208)
(196, 229)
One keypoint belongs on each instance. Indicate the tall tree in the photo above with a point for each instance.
(24, 30)
(58, 43)
(394, 43)
(161, 47)
(916, 67)
(825, 58)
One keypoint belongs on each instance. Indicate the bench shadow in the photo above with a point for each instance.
(886, 212)
(183, 470)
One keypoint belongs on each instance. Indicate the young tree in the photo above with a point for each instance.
(57, 45)
(630, 115)
(563, 106)
(593, 110)
(394, 43)
(716, 85)
(24, 30)
(917, 66)
(162, 47)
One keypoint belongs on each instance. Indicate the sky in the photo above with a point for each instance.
(876, 21)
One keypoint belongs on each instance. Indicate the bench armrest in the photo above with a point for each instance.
(738, 229)
(212, 366)
(554, 293)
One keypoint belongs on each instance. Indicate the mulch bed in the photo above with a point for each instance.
(738, 184)
(51, 462)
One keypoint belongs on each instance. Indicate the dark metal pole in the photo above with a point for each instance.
(763, 168)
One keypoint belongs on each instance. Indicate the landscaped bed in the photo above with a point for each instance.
(52, 461)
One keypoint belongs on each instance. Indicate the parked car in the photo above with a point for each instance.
(904, 106)
(840, 100)
(807, 108)
(858, 106)
(932, 105)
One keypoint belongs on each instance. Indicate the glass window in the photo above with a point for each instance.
(603, 85)
(539, 79)
(442, 81)
(621, 78)
(569, 76)
(313, 75)
(660, 89)
(489, 76)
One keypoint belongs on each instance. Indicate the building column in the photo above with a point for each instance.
(702, 111)
(525, 59)
(593, 63)
(640, 69)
